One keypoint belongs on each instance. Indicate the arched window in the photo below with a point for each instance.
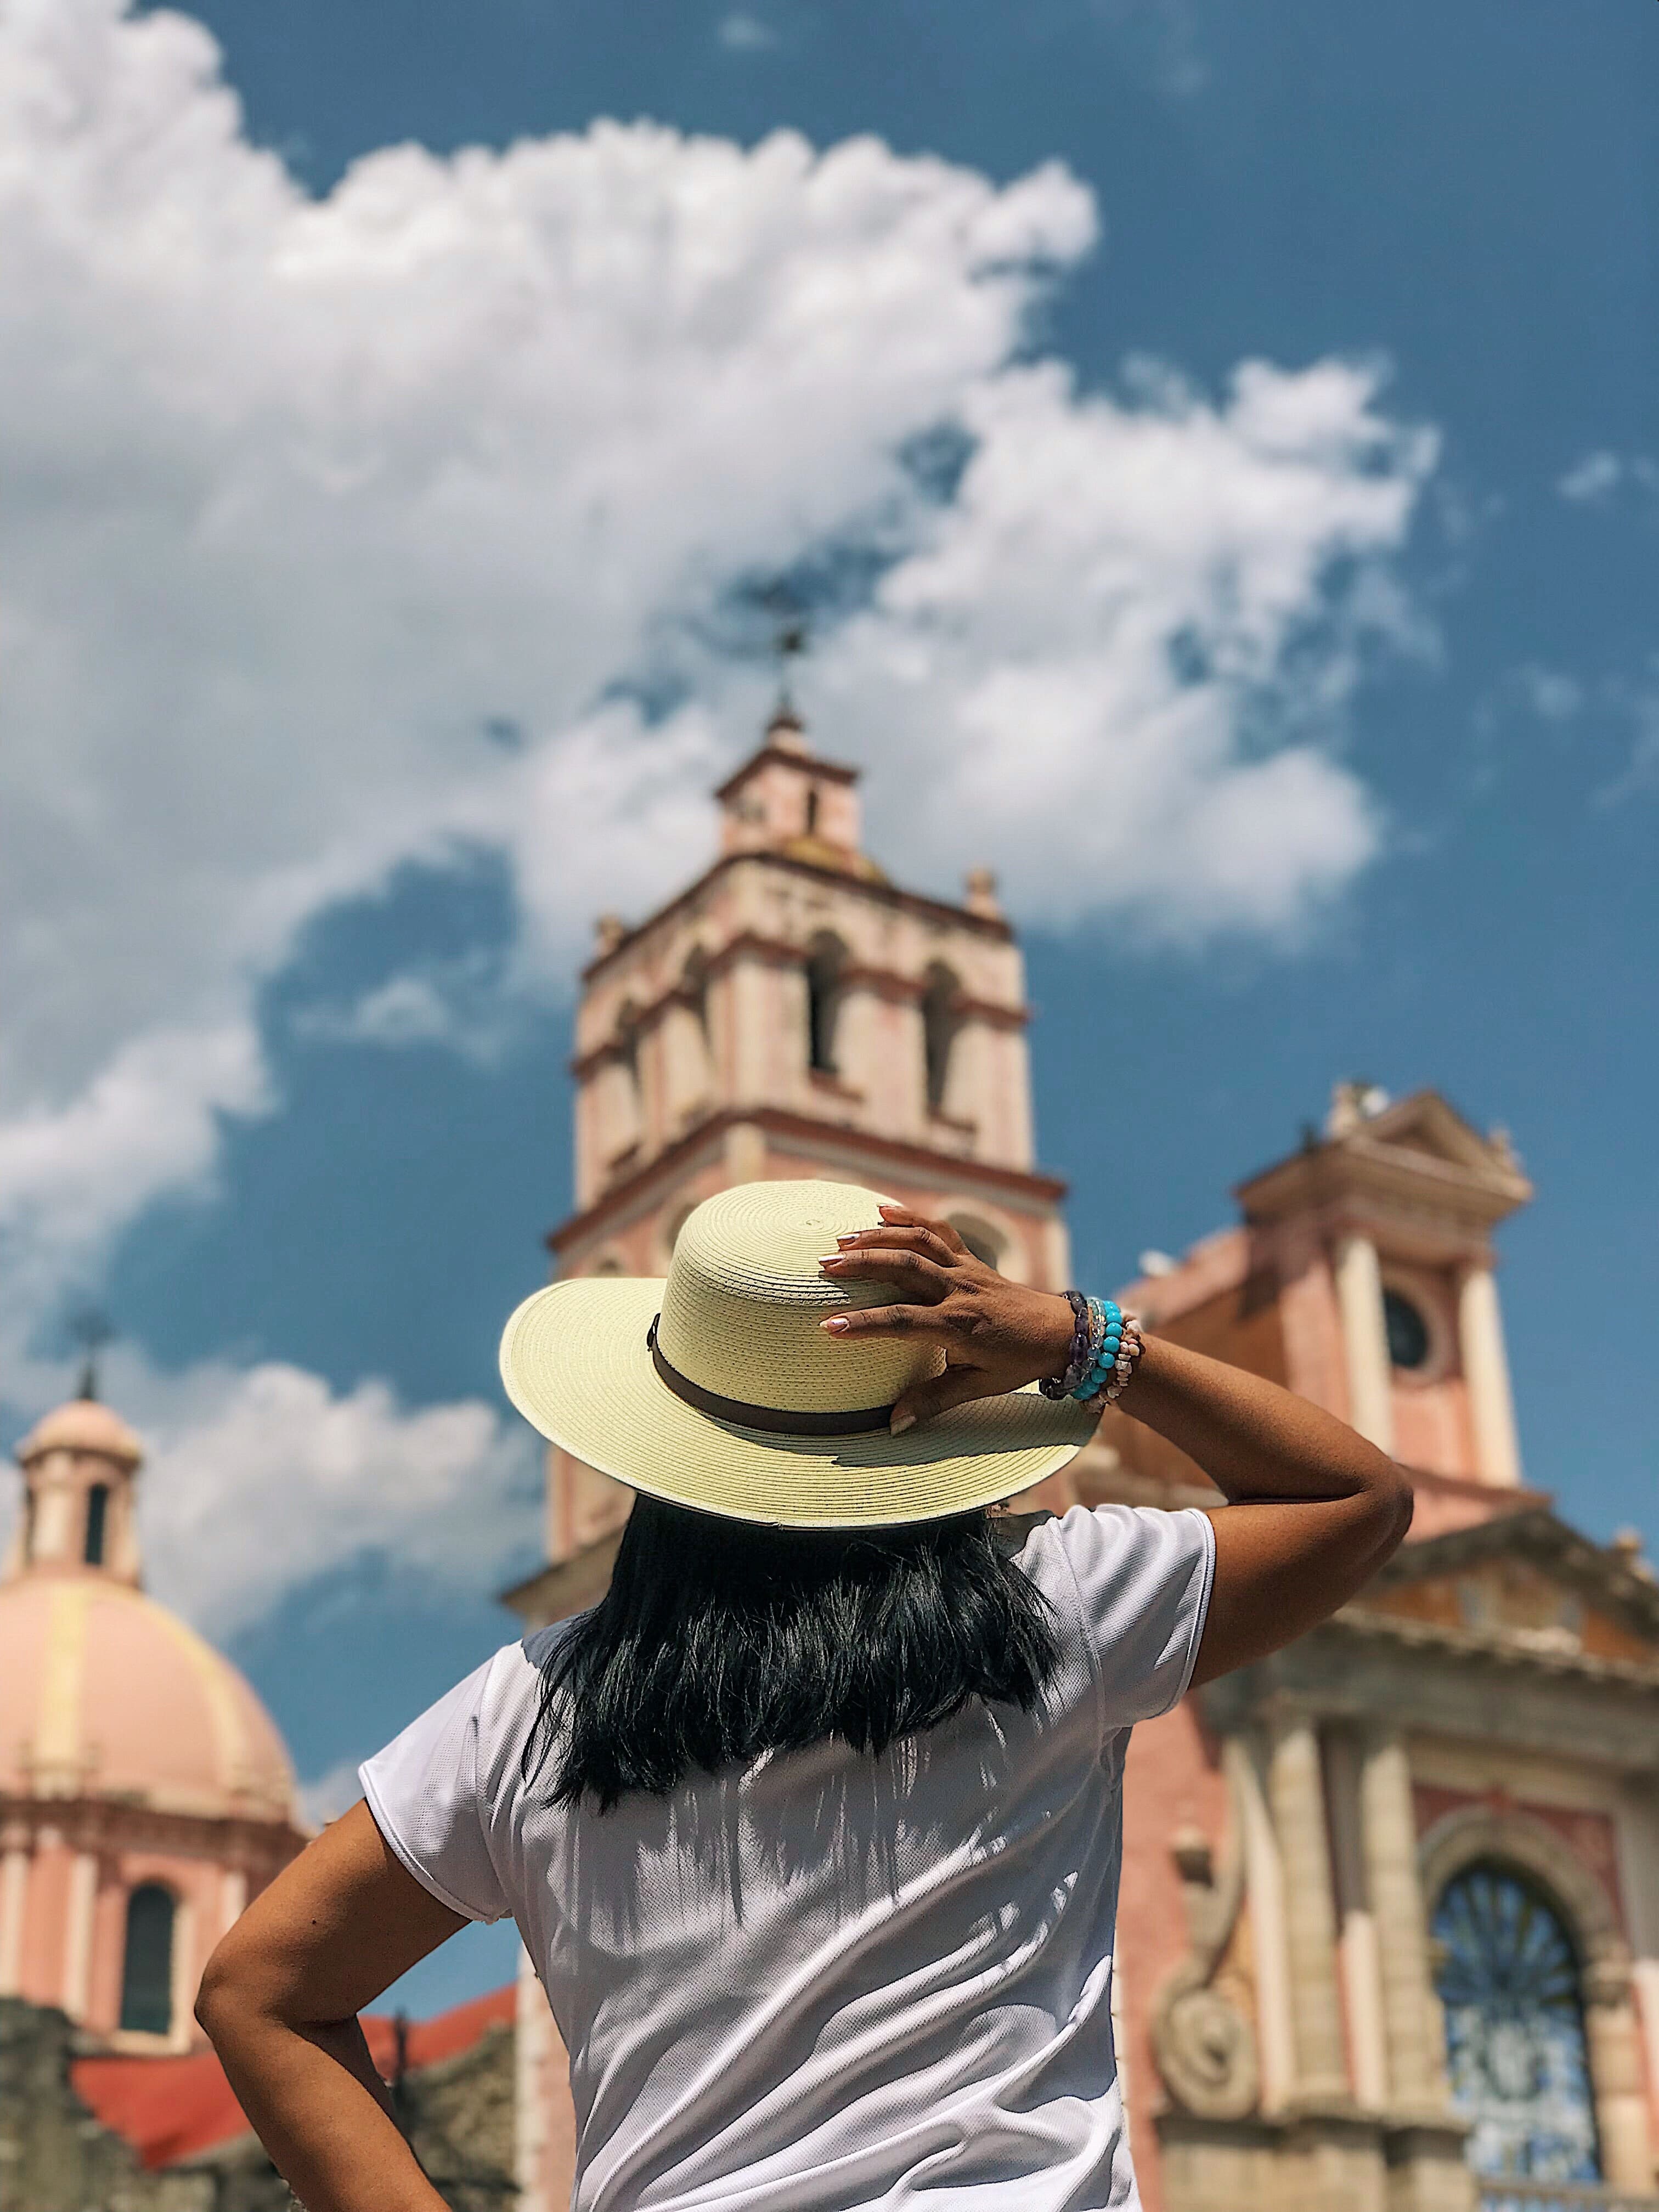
(941, 991)
(97, 1514)
(146, 1966)
(812, 810)
(1516, 2050)
(826, 958)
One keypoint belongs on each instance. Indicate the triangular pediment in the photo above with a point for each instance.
(1529, 1581)
(1418, 1150)
(1428, 1126)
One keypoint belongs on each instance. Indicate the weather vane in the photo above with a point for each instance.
(791, 644)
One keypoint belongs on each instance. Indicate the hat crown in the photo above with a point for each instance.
(746, 1294)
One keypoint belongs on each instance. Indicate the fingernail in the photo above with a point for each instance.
(901, 1420)
(851, 1237)
(837, 1324)
(832, 1259)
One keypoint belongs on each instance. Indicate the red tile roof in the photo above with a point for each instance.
(174, 2108)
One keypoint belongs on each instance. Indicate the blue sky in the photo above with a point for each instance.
(291, 1104)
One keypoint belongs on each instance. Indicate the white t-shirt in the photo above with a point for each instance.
(827, 1981)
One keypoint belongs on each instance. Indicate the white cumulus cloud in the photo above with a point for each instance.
(306, 495)
(258, 1479)
(1593, 479)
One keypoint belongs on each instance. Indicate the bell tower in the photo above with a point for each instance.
(792, 1013)
(1362, 1276)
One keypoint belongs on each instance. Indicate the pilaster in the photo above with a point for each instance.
(77, 1932)
(1616, 2057)
(14, 1898)
(1264, 1880)
(1359, 1948)
(1416, 2059)
(1365, 1339)
(1297, 1797)
(1487, 1376)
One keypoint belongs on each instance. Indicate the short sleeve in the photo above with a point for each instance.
(423, 1790)
(1143, 1579)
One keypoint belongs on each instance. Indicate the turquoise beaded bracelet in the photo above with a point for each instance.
(1105, 1342)
(1115, 1346)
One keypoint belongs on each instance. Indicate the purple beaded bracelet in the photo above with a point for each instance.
(1061, 1386)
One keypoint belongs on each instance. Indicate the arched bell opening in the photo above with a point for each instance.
(941, 990)
(826, 963)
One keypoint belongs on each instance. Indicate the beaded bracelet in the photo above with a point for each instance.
(1106, 1346)
(1120, 1374)
(1081, 1360)
(1106, 1340)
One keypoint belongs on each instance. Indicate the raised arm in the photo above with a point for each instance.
(1313, 1511)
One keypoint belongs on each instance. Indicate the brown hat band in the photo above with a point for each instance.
(776, 1419)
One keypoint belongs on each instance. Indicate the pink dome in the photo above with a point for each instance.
(82, 1425)
(105, 1693)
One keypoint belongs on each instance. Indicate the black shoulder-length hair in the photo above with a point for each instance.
(718, 1640)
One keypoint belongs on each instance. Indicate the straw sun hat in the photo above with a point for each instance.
(717, 1389)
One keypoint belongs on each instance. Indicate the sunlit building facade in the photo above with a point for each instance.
(1389, 1926)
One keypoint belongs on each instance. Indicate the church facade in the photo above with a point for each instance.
(1389, 1924)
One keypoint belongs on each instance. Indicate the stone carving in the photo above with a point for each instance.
(1204, 2046)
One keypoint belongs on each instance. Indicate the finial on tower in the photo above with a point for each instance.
(980, 887)
(92, 1330)
(786, 727)
(1352, 1104)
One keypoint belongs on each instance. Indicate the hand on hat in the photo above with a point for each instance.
(996, 1335)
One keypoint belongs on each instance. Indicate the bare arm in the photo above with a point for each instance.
(280, 2001)
(1314, 1509)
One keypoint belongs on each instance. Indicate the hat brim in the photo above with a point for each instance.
(576, 1363)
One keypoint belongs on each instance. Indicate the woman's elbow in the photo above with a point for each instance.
(229, 1988)
(1395, 1502)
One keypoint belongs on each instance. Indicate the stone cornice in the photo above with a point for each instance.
(1535, 1534)
(950, 1168)
(993, 926)
(94, 1823)
(1503, 1648)
(772, 756)
(1457, 1683)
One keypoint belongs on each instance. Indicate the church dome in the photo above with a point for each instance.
(83, 1425)
(105, 1693)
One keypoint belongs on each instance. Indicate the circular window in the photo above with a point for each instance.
(1408, 1333)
